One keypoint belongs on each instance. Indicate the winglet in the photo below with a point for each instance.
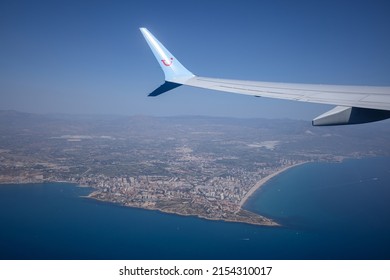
(174, 71)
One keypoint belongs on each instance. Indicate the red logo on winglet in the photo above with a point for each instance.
(169, 63)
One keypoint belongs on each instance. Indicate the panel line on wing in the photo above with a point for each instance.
(289, 88)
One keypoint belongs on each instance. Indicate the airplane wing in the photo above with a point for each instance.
(354, 104)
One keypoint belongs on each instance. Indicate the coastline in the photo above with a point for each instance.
(263, 181)
(240, 215)
(307, 226)
(265, 221)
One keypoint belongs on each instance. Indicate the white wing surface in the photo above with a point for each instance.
(355, 104)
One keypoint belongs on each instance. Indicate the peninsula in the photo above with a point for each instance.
(171, 195)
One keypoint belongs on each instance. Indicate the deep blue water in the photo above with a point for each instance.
(329, 211)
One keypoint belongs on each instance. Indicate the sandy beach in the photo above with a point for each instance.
(264, 180)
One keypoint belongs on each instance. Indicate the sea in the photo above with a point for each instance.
(327, 211)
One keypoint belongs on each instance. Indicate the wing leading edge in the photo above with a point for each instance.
(355, 104)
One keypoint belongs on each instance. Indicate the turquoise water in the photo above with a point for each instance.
(328, 211)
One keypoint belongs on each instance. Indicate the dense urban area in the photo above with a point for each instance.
(201, 166)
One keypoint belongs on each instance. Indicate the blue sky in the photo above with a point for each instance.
(88, 57)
